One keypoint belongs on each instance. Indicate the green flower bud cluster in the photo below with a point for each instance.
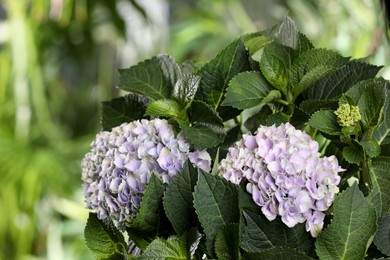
(348, 115)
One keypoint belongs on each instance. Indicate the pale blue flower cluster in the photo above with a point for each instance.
(285, 174)
(117, 169)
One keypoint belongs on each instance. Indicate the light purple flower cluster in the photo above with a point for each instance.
(117, 169)
(283, 171)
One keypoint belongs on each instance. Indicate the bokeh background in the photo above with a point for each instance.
(58, 61)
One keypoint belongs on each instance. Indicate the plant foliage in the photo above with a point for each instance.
(263, 78)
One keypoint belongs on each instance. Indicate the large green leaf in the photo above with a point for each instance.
(166, 108)
(258, 117)
(275, 64)
(252, 236)
(380, 180)
(154, 78)
(325, 121)
(216, 74)
(277, 253)
(371, 104)
(246, 90)
(351, 229)
(178, 199)
(223, 148)
(310, 106)
(227, 242)
(288, 34)
(353, 153)
(382, 236)
(123, 109)
(104, 240)
(215, 202)
(382, 133)
(175, 247)
(257, 233)
(256, 41)
(147, 223)
(355, 92)
(371, 148)
(206, 129)
(333, 85)
(312, 65)
(161, 249)
(185, 89)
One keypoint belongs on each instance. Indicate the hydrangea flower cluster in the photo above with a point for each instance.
(285, 175)
(117, 169)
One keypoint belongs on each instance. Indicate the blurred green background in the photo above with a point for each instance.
(58, 60)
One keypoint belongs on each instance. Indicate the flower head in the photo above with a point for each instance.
(348, 115)
(117, 169)
(283, 171)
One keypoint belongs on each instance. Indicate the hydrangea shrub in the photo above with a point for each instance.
(178, 174)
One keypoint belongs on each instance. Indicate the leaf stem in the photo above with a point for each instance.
(365, 180)
(283, 102)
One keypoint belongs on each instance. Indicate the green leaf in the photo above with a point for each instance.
(256, 41)
(175, 247)
(203, 136)
(355, 92)
(166, 108)
(278, 253)
(172, 248)
(226, 242)
(258, 118)
(193, 239)
(299, 118)
(178, 198)
(371, 104)
(353, 153)
(252, 236)
(380, 179)
(277, 119)
(382, 133)
(272, 96)
(275, 64)
(351, 229)
(231, 137)
(258, 233)
(154, 78)
(147, 223)
(246, 90)
(382, 236)
(303, 45)
(333, 85)
(123, 109)
(102, 238)
(372, 148)
(312, 105)
(288, 34)
(215, 202)
(325, 121)
(216, 74)
(207, 129)
(312, 65)
(185, 89)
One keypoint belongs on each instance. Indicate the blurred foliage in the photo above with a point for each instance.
(49, 111)
(354, 28)
(58, 60)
